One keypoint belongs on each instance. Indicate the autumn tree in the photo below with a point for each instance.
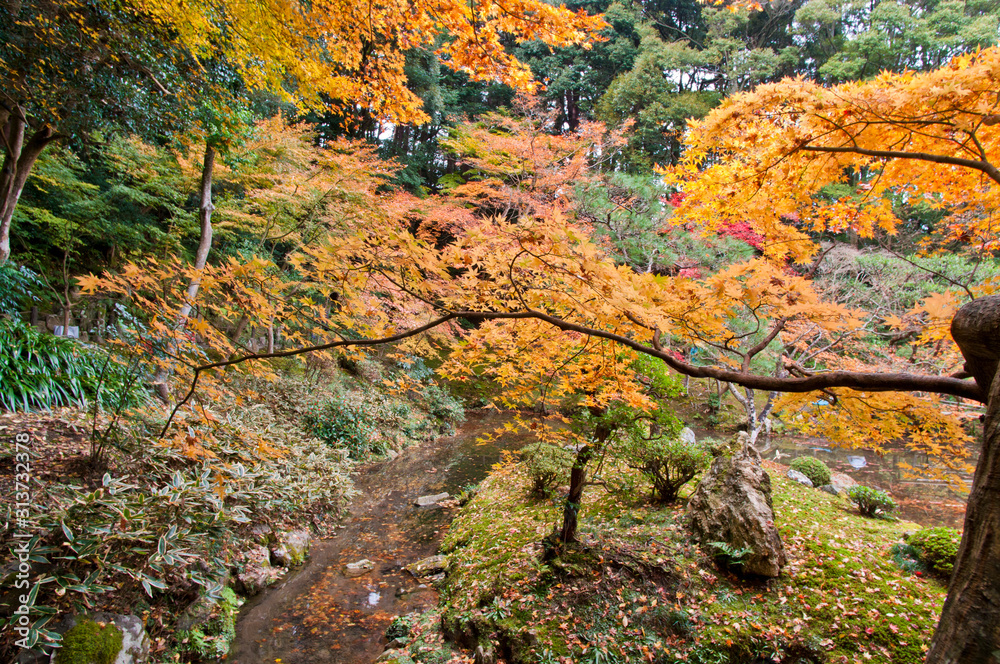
(65, 61)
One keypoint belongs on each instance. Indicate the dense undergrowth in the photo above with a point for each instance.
(156, 523)
(637, 589)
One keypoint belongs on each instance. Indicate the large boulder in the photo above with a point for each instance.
(732, 504)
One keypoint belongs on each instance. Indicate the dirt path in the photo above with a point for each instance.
(317, 614)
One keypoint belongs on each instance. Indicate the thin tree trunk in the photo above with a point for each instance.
(270, 335)
(205, 243)
(205, 210)
(577, 481)
(19, 158)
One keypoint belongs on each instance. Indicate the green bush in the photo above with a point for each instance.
(545, 464)
(817, 471)
(668, 463)
(937, 547)
(40, 371)
(16, 285)
(346, 426)
(871, 502)
(443, 407)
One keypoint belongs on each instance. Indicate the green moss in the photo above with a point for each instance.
(89, 642)
(638, 588)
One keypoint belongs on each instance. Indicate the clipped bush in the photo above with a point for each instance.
(668, 463)
(871, 502)
(545, 464)
(40, 371)
(817, 471)
(937, 548)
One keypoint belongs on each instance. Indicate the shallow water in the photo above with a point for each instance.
(924, 501)
(319, 615)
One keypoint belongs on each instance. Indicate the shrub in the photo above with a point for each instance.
(871, 502)
(938, 548)
(40, 371)
(668, 463)
(817, 471)
(545, 463)
(345, 425)
(444, 408)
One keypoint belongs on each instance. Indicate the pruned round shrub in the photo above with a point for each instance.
(871, 502)
(668, 463)
(937, 547)
(545, 463)
(817, 471)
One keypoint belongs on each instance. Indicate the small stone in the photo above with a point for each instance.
(428, 566)
(359, 568)
(262, 533)
(424, 501)
(280, 555)
(799, 477)
(297, 543)
(687, 436)
(398, 642)
(830, 489)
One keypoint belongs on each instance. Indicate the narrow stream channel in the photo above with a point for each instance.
(319, 615)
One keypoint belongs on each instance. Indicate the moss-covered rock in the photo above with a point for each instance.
(90, 642)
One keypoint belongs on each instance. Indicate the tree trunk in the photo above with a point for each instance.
(19, 158)
(969, 630)
(205, 243)
(577, 481)
(200, 260)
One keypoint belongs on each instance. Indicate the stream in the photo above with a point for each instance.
(317, 614)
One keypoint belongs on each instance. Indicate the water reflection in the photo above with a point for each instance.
(929, 502)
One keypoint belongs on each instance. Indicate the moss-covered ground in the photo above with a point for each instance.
(637, 589)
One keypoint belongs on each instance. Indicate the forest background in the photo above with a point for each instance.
(191, 197)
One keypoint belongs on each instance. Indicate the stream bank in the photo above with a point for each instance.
(319, 615)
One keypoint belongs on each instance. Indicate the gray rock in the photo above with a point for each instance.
(424, 501)
(256, 572)
(262, 533)
(428, 566)
(297, 543)
(830, 489)
(398, 642)
(842, 482)
(359, 568)
(484, 656)
(687, 436)
(732, 504)
(280, 556)
(395, 657)
(799, 477)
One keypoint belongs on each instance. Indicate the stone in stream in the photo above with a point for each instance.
(424, 501)
(359, 568)
(799, 477)
(256, 571)
(428, 567)
(732, 504)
